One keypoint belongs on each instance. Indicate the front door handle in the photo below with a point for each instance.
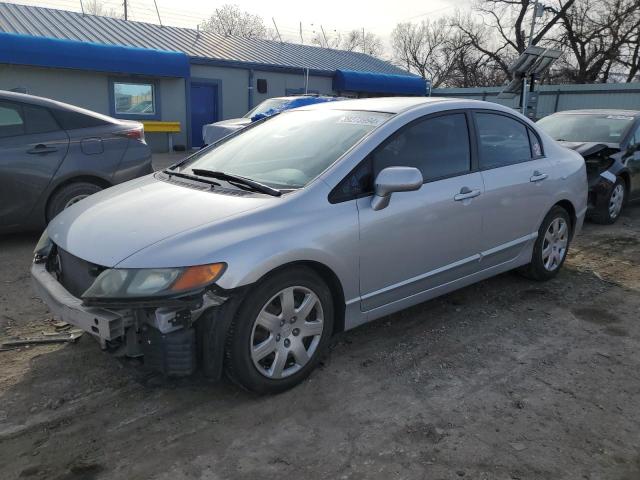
(538, 176)
(466, 193)
(41, 148)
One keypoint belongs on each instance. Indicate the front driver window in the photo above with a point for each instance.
(437, 146)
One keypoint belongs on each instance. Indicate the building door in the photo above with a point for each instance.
(204, 109)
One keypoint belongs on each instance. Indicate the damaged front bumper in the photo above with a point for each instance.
(104, 324)
(165, 336)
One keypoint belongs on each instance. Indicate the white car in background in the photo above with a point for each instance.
(213, 132)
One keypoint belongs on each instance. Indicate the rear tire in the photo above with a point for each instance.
(551, 247)
(611, 208)
(272, 346)
(68, 195)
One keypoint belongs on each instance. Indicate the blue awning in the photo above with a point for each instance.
(55, 53)
(350, 81)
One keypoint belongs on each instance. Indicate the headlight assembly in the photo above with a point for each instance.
(43, 248)
(152, 282)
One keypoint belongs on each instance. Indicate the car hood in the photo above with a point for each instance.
(112, 225)
(590, 148)
(213, 132)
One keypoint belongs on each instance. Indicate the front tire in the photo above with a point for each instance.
(551, 247)
(611, 208)
(280, 331)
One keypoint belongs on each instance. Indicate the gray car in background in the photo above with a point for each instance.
(53, 155)
(316, 221)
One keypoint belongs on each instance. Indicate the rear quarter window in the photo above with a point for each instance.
(70, 120)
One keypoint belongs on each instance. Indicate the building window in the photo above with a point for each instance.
(262, 85)
(134, 99)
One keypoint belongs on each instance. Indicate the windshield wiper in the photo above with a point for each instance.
(237, 179)
(190, 177)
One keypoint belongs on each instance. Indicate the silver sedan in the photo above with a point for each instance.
(246, 257)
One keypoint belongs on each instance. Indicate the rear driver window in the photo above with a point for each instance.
(501, 140)
(39, 119)
(437, 146)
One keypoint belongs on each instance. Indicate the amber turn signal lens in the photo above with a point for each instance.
(198, 276)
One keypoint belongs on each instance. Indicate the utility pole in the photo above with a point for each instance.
(277, 31)
(324, 36)
(537, 12)
(126, 15)
(364, 50)
(157, 11)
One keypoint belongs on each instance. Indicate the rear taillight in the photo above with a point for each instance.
(134, 134)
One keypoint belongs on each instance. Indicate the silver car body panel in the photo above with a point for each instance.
(422, 245)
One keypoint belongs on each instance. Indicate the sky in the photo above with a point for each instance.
(334, 15)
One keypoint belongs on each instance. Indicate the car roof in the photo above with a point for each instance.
(601, 111)
(47, 102)
(400, 104)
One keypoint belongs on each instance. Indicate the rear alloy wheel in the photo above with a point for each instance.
(280, 331)
(610, 210)
(69, 195)
(551, 247)
(554, 244)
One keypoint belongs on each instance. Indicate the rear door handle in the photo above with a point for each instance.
(41, 148)
(538, 177)
(466, 193)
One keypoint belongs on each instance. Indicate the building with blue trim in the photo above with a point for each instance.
(160, 74)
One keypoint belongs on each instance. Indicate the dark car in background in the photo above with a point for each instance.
(213, 132)
(53, 155)
(609, 141)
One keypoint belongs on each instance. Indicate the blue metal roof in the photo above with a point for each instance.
(205, 47)
(350, 81)
(50, 52)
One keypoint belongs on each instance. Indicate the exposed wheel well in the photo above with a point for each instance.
(568, 206)
(627, 183)
(101, 182)
(331, 280)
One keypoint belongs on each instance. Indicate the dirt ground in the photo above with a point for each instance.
(506, 379)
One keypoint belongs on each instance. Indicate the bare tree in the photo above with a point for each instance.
(422, 48)
(351, 41)
(600, 37)
(230, 21)
(501, 30)
(96, 7)
(631, 58)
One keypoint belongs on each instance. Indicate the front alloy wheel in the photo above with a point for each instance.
(280, 331)
(610, 208)
(616, 201)
(287, 332)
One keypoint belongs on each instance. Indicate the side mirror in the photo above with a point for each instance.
(394, 179)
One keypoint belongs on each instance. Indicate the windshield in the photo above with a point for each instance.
(289, 150)
(265, 106)
(586, 127)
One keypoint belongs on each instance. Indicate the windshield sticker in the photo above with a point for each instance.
(619, 117)
(371, 120)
